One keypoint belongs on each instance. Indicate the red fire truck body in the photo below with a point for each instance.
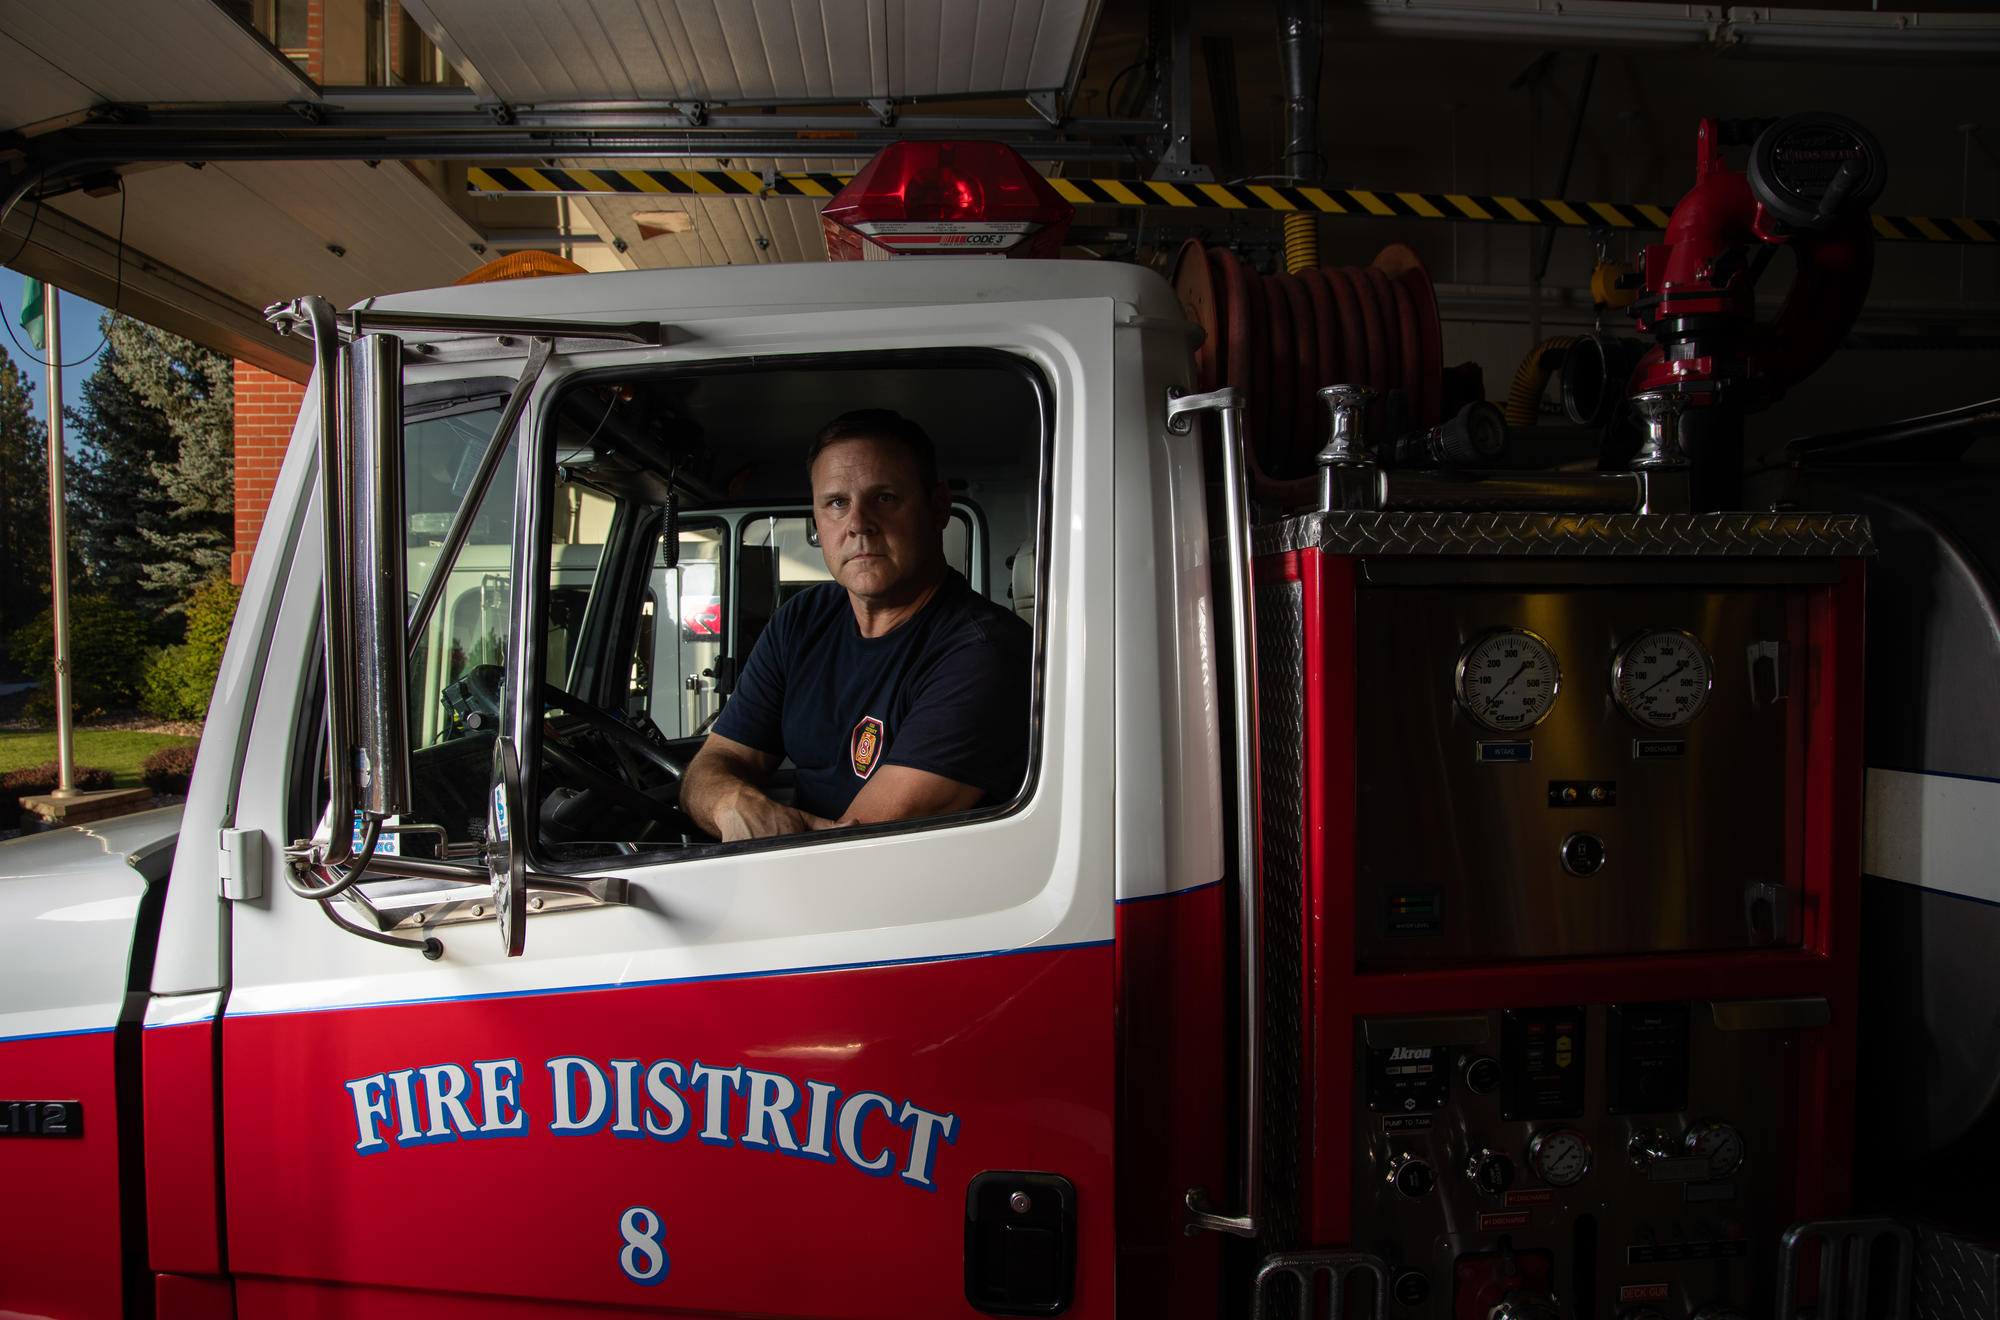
(1450, 893)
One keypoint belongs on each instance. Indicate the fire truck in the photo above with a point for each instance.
(1435, 891)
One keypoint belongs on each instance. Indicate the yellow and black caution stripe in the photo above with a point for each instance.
(679, 183)
(1362, 202)
(1936, 229)
(1636, 216)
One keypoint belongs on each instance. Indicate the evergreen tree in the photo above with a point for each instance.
(24, 502)
(118, 440)
(194, 390)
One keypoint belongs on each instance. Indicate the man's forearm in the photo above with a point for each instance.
(711, 784)
(721, 794)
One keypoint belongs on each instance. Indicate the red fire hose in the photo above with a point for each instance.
(1280, 338)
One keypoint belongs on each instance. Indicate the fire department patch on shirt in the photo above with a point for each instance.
(866, 746)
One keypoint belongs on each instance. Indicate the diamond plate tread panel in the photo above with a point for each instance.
(1957, 1279)
(1760, 535)
(1281, 685)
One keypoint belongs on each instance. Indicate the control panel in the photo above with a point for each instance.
(1614, 765)
(1571, 1161)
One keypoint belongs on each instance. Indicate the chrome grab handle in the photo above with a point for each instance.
(1180, 418)
(1300, 1273)
(1775, 658)
(1847, 1260)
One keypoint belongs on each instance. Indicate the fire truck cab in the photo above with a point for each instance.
(800, 1042)
(1440, 901)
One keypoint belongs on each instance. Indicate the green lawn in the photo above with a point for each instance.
(117, 750)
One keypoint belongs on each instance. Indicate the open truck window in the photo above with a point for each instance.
(675, 521)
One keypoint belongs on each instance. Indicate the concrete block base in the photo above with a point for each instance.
(81, 807)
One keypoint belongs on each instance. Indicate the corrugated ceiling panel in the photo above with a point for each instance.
(541, 51)
(34, 89)
(138, 50)
(261, 232)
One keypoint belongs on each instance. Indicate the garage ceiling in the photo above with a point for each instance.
(278, 229)
(787, 52)
(60, 57)
(204, 249)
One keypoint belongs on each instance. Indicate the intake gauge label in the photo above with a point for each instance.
(1507, 679)
(1661, 678)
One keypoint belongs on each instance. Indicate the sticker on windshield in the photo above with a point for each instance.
(867, 746)
(387, 843)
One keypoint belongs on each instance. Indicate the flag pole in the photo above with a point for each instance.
(58, 544)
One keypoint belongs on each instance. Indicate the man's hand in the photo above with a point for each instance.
(750, 814)
(722, 793)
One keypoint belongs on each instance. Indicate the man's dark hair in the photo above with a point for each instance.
(880, 424)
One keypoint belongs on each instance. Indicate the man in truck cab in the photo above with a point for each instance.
(896, 690)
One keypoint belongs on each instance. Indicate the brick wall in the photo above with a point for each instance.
(316, 40)
(266, 408)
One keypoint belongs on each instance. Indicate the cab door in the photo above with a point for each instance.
(775, 1080)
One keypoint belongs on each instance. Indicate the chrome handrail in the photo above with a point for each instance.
(1249, 875)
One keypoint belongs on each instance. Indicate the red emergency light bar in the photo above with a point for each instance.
(949, 198)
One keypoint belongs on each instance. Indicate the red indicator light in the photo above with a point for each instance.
(945, 197)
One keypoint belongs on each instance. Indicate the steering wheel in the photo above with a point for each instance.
(477, 693)
(634, 752)
(625, 739)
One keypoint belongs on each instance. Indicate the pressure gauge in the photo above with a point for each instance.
(1718, 1143)
(1560, 1157)
(1507, 679)
(1661, 678)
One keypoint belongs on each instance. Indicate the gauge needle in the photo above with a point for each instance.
(1664, 677)
(1504, 686)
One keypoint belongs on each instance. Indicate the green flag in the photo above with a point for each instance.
(31, 313)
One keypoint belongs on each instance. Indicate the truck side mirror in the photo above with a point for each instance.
(366, 622)
(506, 859)
(375, 576)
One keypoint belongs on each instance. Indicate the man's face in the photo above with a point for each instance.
(882, 533)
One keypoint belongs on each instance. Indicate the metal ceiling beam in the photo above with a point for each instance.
(1880, 33)
(316, 118)
(55, 162)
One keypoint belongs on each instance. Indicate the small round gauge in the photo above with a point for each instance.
(1661, 678)
(1507, 679)
(1718, 1143)
(1560, 1157)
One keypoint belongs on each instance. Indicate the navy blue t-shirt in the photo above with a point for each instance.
(946, 692)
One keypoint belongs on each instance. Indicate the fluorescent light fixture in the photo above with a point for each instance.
(652, 224)
(1724, 27)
